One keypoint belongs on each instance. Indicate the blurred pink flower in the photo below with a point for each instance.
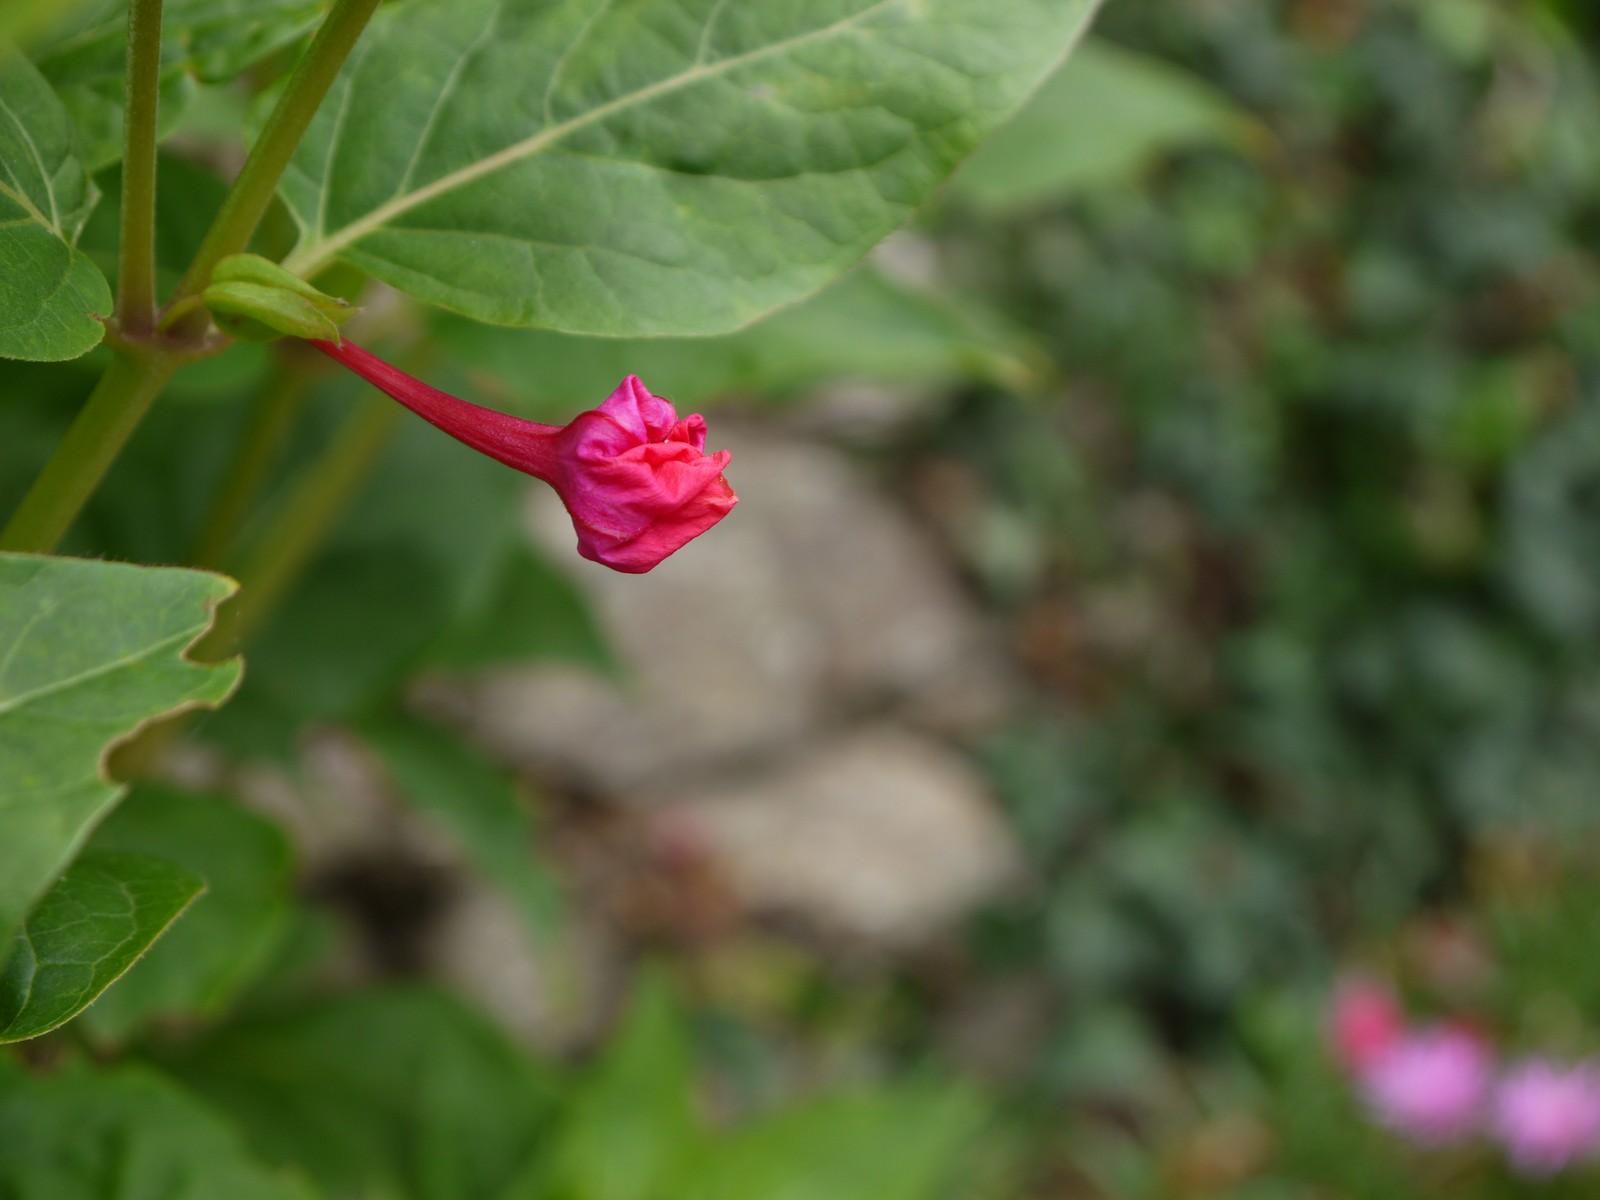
(1547, 1114)
(1430, 1086)
(1364, 1021)
(636, 480)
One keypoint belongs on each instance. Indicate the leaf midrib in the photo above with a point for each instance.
(308, 259)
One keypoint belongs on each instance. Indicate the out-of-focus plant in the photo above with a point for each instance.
(1302, 559)
(1497, 1094)
(1299, 554)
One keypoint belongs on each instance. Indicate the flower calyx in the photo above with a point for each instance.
(255, 300)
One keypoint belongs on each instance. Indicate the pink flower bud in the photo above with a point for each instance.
(636, 480)
(1430, 1086)
(1547, 1115)
(1364, 1021)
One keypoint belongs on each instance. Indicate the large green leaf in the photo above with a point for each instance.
(863, 328)
(83, 54)
(94, 924)
(527, 611)
(51, 292)
(400, 1093)
(656, 167)
(1097, 122)
(89, 653)
(229, 935)
(129, 1135)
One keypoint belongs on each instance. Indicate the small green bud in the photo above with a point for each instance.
(254, 313)
(256, 300)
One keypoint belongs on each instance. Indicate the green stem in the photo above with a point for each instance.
(302, 525)
(139, 372)
(274, 415)
(136, 273)
(252, 191)
(109, 417)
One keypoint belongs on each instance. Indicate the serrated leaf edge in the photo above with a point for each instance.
(103, 761)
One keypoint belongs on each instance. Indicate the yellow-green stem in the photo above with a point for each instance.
(136, 270)
(109, 417)
(252, 191)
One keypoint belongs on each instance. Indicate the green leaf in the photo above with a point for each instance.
(19, 19)
(528, 611)
(82, 1136)
(657, 167)
(476, 804)
(902, 1144)
(863, 328)
(89, 653)
(83, 53)
(400, 1093)
(631, 1121)
(52, 292)
(94, 924)
(229, 935)
(1098, 122)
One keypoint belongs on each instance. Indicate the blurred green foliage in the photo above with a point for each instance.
(1321, 603)
(1304, 562)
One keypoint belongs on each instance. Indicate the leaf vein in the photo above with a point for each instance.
(451, 82)
(54, 221)
(15, 702)
(309, 258)
(589, 23)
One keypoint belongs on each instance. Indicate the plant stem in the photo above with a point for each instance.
(273, 416)
(109, 417)
(136, 273)
(252, 191)
(302, 525)
(139, 371)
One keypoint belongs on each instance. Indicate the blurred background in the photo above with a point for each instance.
(1167, 582)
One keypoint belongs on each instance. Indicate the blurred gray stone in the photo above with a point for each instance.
(554, 989)
(815, 600)
(878, 836)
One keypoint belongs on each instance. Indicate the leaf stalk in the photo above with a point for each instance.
(136, 274)
(252, 191)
